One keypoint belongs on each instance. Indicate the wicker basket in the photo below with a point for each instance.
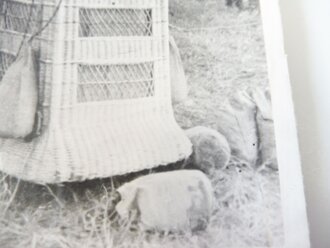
(104, 89)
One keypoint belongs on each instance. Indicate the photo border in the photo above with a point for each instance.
(296, 229)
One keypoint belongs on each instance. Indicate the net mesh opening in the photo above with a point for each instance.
(115, 82)
(6, 60)
(115, 22)
(20, 17)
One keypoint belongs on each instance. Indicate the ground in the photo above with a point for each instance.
(223, 52)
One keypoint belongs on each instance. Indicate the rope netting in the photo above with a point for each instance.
(20, 17)
(114, 82)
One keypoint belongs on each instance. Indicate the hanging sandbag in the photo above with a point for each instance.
(178, 79)
(19, 96)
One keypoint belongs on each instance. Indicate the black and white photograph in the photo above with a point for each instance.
(136, 123)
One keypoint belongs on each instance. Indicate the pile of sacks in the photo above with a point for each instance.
(183, 200)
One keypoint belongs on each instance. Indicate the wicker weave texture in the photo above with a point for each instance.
(104, 88)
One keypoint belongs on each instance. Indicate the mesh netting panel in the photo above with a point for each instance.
(114, 82)
(5, 61)
(20, 17)
(115, 22)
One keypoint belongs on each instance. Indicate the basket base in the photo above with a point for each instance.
(83, 153)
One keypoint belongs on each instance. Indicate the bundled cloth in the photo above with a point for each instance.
(248, 125)
(238, 125)
(19, 96)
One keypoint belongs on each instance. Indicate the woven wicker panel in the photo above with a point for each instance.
(104, 89)
(20, 17)
(115, 22)
(5, 61)
(113, 82)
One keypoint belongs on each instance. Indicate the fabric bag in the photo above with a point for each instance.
(168, 201)
(178, 78)
(19, 96)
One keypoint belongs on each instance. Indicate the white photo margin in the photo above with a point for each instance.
(292, 190)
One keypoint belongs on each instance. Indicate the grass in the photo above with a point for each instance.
(223, 53)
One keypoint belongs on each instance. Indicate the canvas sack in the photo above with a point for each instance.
(237, 123)
(266, 130)
(19, 96)
(168, 201)
(178, 78)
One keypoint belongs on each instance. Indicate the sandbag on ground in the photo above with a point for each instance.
(169, 201)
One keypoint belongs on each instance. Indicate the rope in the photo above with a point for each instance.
(48, 22)
(41, 29)
(26, 29)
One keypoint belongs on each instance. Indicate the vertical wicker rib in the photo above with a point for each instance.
(104, 89)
